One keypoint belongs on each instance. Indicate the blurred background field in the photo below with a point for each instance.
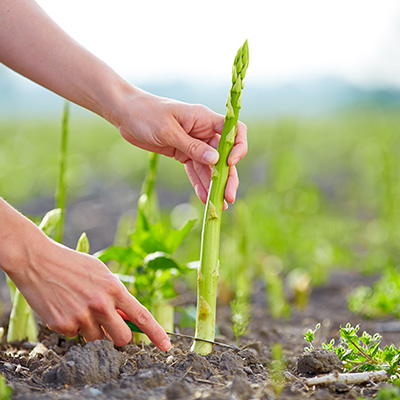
(321, 191)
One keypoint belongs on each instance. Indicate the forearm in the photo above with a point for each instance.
(36, 47)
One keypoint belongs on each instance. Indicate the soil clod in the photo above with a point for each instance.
(318, 361)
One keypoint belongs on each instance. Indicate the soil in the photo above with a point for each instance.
(57, 368)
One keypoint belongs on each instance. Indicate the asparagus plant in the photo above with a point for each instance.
(61, 189)
(209, 253)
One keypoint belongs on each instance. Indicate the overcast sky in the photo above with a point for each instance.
(358, 40)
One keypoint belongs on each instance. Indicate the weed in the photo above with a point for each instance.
(309, 336)
(241, 317)
(362, 352)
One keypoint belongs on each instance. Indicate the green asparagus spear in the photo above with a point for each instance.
(209, 253)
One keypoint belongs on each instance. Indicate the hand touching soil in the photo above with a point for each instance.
(72, 292)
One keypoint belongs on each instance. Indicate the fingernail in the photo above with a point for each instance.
(210, 157)
(165, 345)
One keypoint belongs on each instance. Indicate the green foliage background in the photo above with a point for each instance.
(319, 192)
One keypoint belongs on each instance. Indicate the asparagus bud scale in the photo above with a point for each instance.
(209, 253)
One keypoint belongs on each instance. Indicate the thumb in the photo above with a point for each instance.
(194, 149)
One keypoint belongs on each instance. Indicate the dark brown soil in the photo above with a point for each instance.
(57, 368)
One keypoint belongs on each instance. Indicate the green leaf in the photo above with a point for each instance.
(175, 237)
(123, 255)
(374, 349)
(159, 261)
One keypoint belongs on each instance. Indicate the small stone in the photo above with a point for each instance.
(249, 356)
(169, 360)
(94, 392)
(248, 370)
(146, 374)
(9, 366)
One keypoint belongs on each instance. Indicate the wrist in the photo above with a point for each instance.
(21, 242)
(122, 94)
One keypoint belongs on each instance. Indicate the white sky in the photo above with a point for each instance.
(144, 41)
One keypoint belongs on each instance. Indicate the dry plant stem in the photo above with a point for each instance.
(350, 378)
(209, 253)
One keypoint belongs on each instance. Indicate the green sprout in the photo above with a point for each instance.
(310, 335)
(277, 366)
(382, 299)
(83, 245)
(240, 316)
(5, 390)
(208, 272)
(276, 298)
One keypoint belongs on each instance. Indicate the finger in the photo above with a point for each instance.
(183, 158)
(214, 141)
(194, 149)
(145, 321)
(91, 333)
(231, 185)
(240, 148)
(116, 329)
(200, 190)
(204, 172)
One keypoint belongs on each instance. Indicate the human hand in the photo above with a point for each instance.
(189, 133)
(76, 293)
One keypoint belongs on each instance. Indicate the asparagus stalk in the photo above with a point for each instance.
(61, 193)
(148, 208)
(209, 253)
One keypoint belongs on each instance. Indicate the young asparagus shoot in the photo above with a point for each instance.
(83, 244)
(209, 253)
(61, 192)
